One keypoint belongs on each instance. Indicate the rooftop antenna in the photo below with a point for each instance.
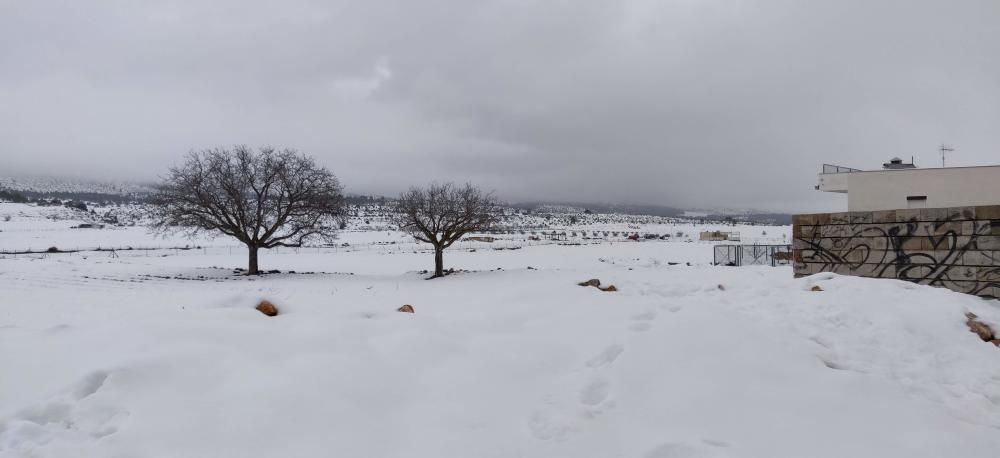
(945, 149)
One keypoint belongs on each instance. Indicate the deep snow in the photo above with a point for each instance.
(161, 354)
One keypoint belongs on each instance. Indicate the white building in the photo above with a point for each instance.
(900, 185)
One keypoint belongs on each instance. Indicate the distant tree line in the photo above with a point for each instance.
(13, 196)
(59, 197)
(23, 198)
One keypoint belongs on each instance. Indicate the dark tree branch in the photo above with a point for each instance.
(442, 214)
(264, 198)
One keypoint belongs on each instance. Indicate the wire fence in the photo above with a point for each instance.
(752, 255)
(381, 247)
(829, 168)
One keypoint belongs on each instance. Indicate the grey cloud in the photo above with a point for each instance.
(681, 103)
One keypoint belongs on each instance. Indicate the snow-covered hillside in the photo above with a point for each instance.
(28, 227)
(161, 353)
(64, 185)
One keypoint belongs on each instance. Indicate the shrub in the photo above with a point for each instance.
(77, 205)
(13, 196)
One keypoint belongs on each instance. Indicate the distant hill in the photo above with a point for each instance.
(71, 185)
(751, 216)
(47, 188)
(577, 207)
(778, 219)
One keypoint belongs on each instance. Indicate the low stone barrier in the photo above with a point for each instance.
(956, 248)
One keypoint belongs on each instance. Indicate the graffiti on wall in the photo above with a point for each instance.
(951, 252)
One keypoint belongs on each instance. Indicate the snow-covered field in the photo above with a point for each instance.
(161, 353)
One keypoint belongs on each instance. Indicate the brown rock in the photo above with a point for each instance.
(591, 282)
(995, 342)
(267, 308)
(406, 308)
(610, 288)
(981, 329)
(816, 288)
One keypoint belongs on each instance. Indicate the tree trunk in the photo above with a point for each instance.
(438, 262)
(252, 267)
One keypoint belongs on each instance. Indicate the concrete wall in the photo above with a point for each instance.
(948, 187)
(956, 248)
(833, 182)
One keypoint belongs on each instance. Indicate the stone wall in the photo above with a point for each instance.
(956, 248)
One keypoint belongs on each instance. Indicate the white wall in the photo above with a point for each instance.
(833, 182)
(948, 187)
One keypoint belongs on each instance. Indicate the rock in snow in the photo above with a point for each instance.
(978, 327)
(267, 308)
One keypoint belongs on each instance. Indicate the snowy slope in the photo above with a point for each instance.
(131, 356)
(160, 354)
(25, 227)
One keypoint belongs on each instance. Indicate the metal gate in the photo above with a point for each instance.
(753, 255)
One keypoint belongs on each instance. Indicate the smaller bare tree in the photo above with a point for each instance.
(264, 198)
(442, 214)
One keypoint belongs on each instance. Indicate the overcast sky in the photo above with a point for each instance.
(688, 103)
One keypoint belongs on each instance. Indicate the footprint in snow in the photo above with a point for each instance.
(90, 384)
(58, 328)
(645, 316)
(552, 422)
(595, 392)
(558, 419)
(606, 356)
(642, 321)
(70, 416)
(641, 326)
(674, 308)
(684, 450)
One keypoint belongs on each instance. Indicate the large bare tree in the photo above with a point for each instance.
(264, 198)
(441, 214)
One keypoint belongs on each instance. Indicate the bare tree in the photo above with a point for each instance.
(264, 198)
(442, 213)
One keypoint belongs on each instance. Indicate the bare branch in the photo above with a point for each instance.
(442, 214)
(263, 198)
